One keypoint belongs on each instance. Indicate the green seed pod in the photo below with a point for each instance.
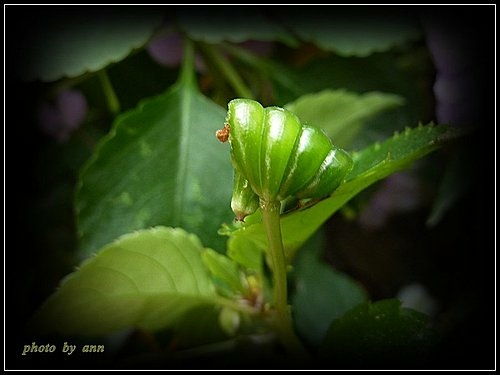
(279, 156)
(244, 201)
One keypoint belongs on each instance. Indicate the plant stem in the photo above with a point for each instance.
(226, 69)
(187, 74)
(271, 219)
(268, 68)
(282, 320)
(109, 92)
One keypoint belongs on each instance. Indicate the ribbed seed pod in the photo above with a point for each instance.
(244, 201)
(280, 157)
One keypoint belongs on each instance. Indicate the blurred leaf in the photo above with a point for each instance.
(72, 41)
(370, 165)
(224, 270)
(322, 293)
(358, 31)
(233, 24)
(381, 72)
(379, 334)
(157, 167)
(340, 113)
(246, 251)
(148, 279)
(144, 78)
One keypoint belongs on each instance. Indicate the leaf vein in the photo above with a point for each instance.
(161, 265)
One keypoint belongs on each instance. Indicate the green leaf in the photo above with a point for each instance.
(75, 41)
(340, 113)
(247, 251)
(370, 165)
(147, 279)
(381, 72)
(235, 24)
(225, 271)
(379, 334)
(160, 165)
(322, 293)
(398, 151)
(348, 32)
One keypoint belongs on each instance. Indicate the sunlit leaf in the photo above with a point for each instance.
(225, 271)
(247, 252)
(147, 279)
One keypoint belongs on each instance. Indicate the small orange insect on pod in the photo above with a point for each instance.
(223, 134)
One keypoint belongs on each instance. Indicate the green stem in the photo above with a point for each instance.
(226, 69)
(271, 219)
(70, 82)
(109, 92)
(270, 69)
(187, 75)
(282, 320)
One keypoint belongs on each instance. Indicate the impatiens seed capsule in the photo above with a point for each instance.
(244, 201)
(277, 157)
